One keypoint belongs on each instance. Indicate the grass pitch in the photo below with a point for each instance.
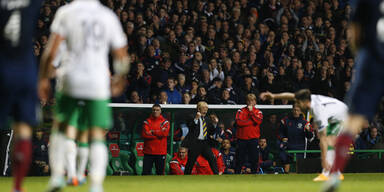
(226, 183)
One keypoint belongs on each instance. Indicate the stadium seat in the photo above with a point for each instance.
(138, 157)
(120, 167)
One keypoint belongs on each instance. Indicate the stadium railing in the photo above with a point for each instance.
(367, 151)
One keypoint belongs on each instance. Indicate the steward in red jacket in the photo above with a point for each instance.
(202, 165)
(248, 123)
(155, 132)
(248, 120)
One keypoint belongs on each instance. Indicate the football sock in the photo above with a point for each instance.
(98, 163)
(21, 160)
(57, 158)
(343, 143)
(83, 152)
(70, 158)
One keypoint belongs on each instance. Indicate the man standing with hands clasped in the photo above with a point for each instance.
(248, 120)
(199, 138)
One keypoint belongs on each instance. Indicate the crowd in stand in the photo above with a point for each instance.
(218, 51)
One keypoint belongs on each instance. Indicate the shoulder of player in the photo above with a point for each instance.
(64, 10)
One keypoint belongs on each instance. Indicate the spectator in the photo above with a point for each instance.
(223, 132)
(40, 165)
(174, 96)
(215, 70)
(373, 138)
(214, 91)
(294, 132)
(186, 98)
(248, 120)
(265, 161)
(228, 156)
(155, 132)
(225, 97)
(270, 130)
(179, 160)
(135, 98)
(234, 93)
(160, 76)
(163, 98)
(201, 95)
(140, 82)
(249, 86)
(181, 86)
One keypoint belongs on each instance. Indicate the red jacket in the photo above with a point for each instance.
(202, 165)
(248, 123)
(155, 138)
(177, 165)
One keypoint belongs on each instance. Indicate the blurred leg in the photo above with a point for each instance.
(22, 153)
(98, 159)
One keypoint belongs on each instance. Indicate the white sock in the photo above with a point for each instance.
(330, 159)
(82, 154)
(56, 158)
(98, 163)
(70, 157)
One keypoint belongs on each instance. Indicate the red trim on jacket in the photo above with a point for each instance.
(155, 138)
(248, 123)
(177, 165)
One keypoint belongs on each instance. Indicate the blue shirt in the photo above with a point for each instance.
(174, 97)
(18, 20)
(229, 160)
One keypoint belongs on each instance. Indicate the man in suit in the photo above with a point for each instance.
(199, 139)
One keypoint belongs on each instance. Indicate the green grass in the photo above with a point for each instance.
(227, 183)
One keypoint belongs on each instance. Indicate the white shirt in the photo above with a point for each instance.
(90, 31)
(327, 110)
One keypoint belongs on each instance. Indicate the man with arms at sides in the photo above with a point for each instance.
(367, 35)
(199, 139)
(329, 115)
(18, 76)
(295, 133)
(248, 120)
(90, 31)
(155, 132)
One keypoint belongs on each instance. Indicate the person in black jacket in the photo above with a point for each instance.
(295, 132)
(199, 139)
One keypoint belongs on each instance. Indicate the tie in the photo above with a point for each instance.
(204, 127)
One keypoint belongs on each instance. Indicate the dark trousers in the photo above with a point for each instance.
(148, 161)
(288, 158)
(200, 148)
(247, 150)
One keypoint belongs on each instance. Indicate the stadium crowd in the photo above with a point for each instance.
(219, 51)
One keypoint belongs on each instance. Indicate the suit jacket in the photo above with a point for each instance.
(194, 132)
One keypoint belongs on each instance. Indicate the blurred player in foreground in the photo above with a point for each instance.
(367, 35)
(90, 31)
(18, 76)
